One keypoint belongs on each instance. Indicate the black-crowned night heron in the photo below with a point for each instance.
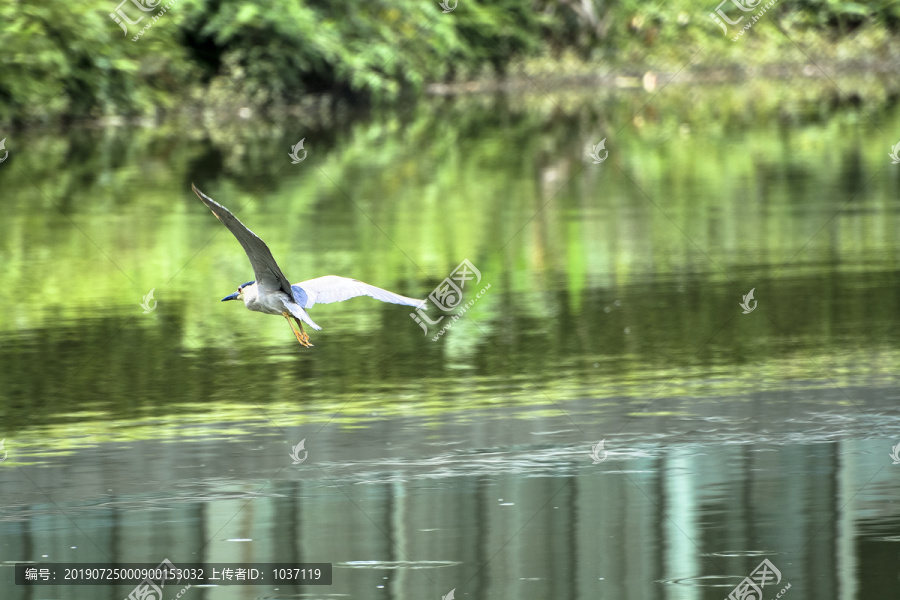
(272, 294)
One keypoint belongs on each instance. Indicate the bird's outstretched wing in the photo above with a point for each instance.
(331, 288)
(268, 275)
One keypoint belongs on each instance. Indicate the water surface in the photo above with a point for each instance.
(613, 314)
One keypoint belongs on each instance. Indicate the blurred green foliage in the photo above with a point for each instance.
(71, 60)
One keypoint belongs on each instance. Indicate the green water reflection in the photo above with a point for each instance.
(613, 310)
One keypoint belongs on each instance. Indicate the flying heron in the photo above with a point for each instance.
(271, 293)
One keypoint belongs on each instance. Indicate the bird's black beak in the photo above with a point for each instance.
(231, 297)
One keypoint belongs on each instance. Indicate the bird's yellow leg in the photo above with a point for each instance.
(303, 334)
(303, 339)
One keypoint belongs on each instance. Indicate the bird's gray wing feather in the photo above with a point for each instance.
(332, 288)
(265, 268)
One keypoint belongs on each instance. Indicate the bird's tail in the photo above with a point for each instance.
(301, 314)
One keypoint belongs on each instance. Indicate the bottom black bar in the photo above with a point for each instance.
(168, 574)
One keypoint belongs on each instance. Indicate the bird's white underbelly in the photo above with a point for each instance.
(271, 304)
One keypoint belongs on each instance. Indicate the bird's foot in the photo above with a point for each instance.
(303, 339)
(300, 335)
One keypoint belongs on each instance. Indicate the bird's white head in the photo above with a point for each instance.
(248, 288)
